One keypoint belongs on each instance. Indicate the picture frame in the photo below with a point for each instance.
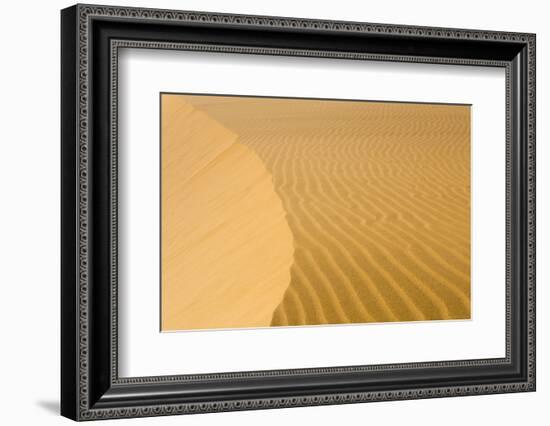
(91, 387)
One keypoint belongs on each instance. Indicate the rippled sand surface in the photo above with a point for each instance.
(375, 197)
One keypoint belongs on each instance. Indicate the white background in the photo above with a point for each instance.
(29, 225)
(146, 352)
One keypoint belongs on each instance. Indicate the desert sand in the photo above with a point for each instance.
(371, 201)
(226, 246)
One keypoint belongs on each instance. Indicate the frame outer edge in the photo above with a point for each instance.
(531, 200)
(68, 182)
(83, 196)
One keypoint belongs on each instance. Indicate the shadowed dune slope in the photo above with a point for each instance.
(226, 246)
(377, 197)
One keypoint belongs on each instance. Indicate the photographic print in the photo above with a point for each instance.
(305, 212)
(345, 209)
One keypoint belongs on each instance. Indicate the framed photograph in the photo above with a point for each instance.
(264, 212)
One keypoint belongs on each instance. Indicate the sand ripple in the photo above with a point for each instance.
(377, 197)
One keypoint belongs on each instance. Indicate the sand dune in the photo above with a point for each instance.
(226, 246)
(377, 198)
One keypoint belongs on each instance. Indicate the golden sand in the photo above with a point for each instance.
(371, 201)
(226, 246)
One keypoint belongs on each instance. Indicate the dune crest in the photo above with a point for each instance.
(227, 248)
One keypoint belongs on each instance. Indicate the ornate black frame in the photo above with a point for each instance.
(91, 37)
